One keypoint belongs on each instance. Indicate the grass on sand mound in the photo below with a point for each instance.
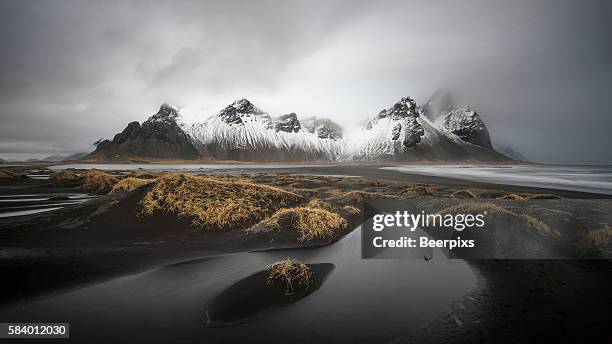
(141, 175)
(215, 202)
(64, 176)
(130, 184)
(292, 273)
(464, 193)
(491, 208)
(8, 175)
(98, 181)
(512, 196)
(598, 238)
(314, 220)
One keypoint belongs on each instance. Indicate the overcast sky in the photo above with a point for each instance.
(538, 72)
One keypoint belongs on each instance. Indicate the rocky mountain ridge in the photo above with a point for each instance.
(437, 131)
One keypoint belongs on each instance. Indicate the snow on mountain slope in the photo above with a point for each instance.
(459, 120)
(243, 132)
(402, 133)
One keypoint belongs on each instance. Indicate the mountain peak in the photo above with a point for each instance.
(467, 124)
(288, 123)
(244, 106)
(234, 113)
(166, 113)
(405, 107)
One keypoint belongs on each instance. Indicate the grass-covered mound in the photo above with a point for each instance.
(141, 175)
(218, 203)
(493, 209)
(315, 220)
(279, 285)
(597, 239)
(98, 181)
(130, 184)
(292, 274)
(64, 177)
(6, 175)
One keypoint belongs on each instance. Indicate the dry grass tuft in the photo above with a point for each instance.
(317, 203)
(99, 181)
(9, 175)
(427, 190)
(311, 221)
(215, 202)
(361, 195)
(352, 209)
(464, 193)
(64, 176)
(598, 238)
(512, 196)
(141, 175)
(543, 196)
(292, 273)
(490, 208)
(130, 184)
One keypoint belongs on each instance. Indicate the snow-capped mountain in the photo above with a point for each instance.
(459, 120)
(158, 137)
(403, 133)
(439, 130)
(243, 132)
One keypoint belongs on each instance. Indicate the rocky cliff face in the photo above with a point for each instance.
(288, 123)
(324, 128)
(461, 121)
(468, 125)
(158, 137)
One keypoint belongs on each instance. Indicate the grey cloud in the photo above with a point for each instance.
(540, 72)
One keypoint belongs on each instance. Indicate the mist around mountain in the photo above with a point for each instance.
(510, 152)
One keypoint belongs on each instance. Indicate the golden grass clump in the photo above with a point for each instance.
(512, 196)
(427, 190)
(64, 176)
(6, 174)
(598, 238)
(464, 193)
(543, 196)
(361, 195)
(311, 221)
(99, 181)
(130, 184)
(141, 175)
(352, 209)
(292, 273)
(537, 224)
(215, 202)
(317, 203)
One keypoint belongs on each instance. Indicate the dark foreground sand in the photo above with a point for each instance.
(514, 301)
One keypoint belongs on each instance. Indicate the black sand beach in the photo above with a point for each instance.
(98, 250)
